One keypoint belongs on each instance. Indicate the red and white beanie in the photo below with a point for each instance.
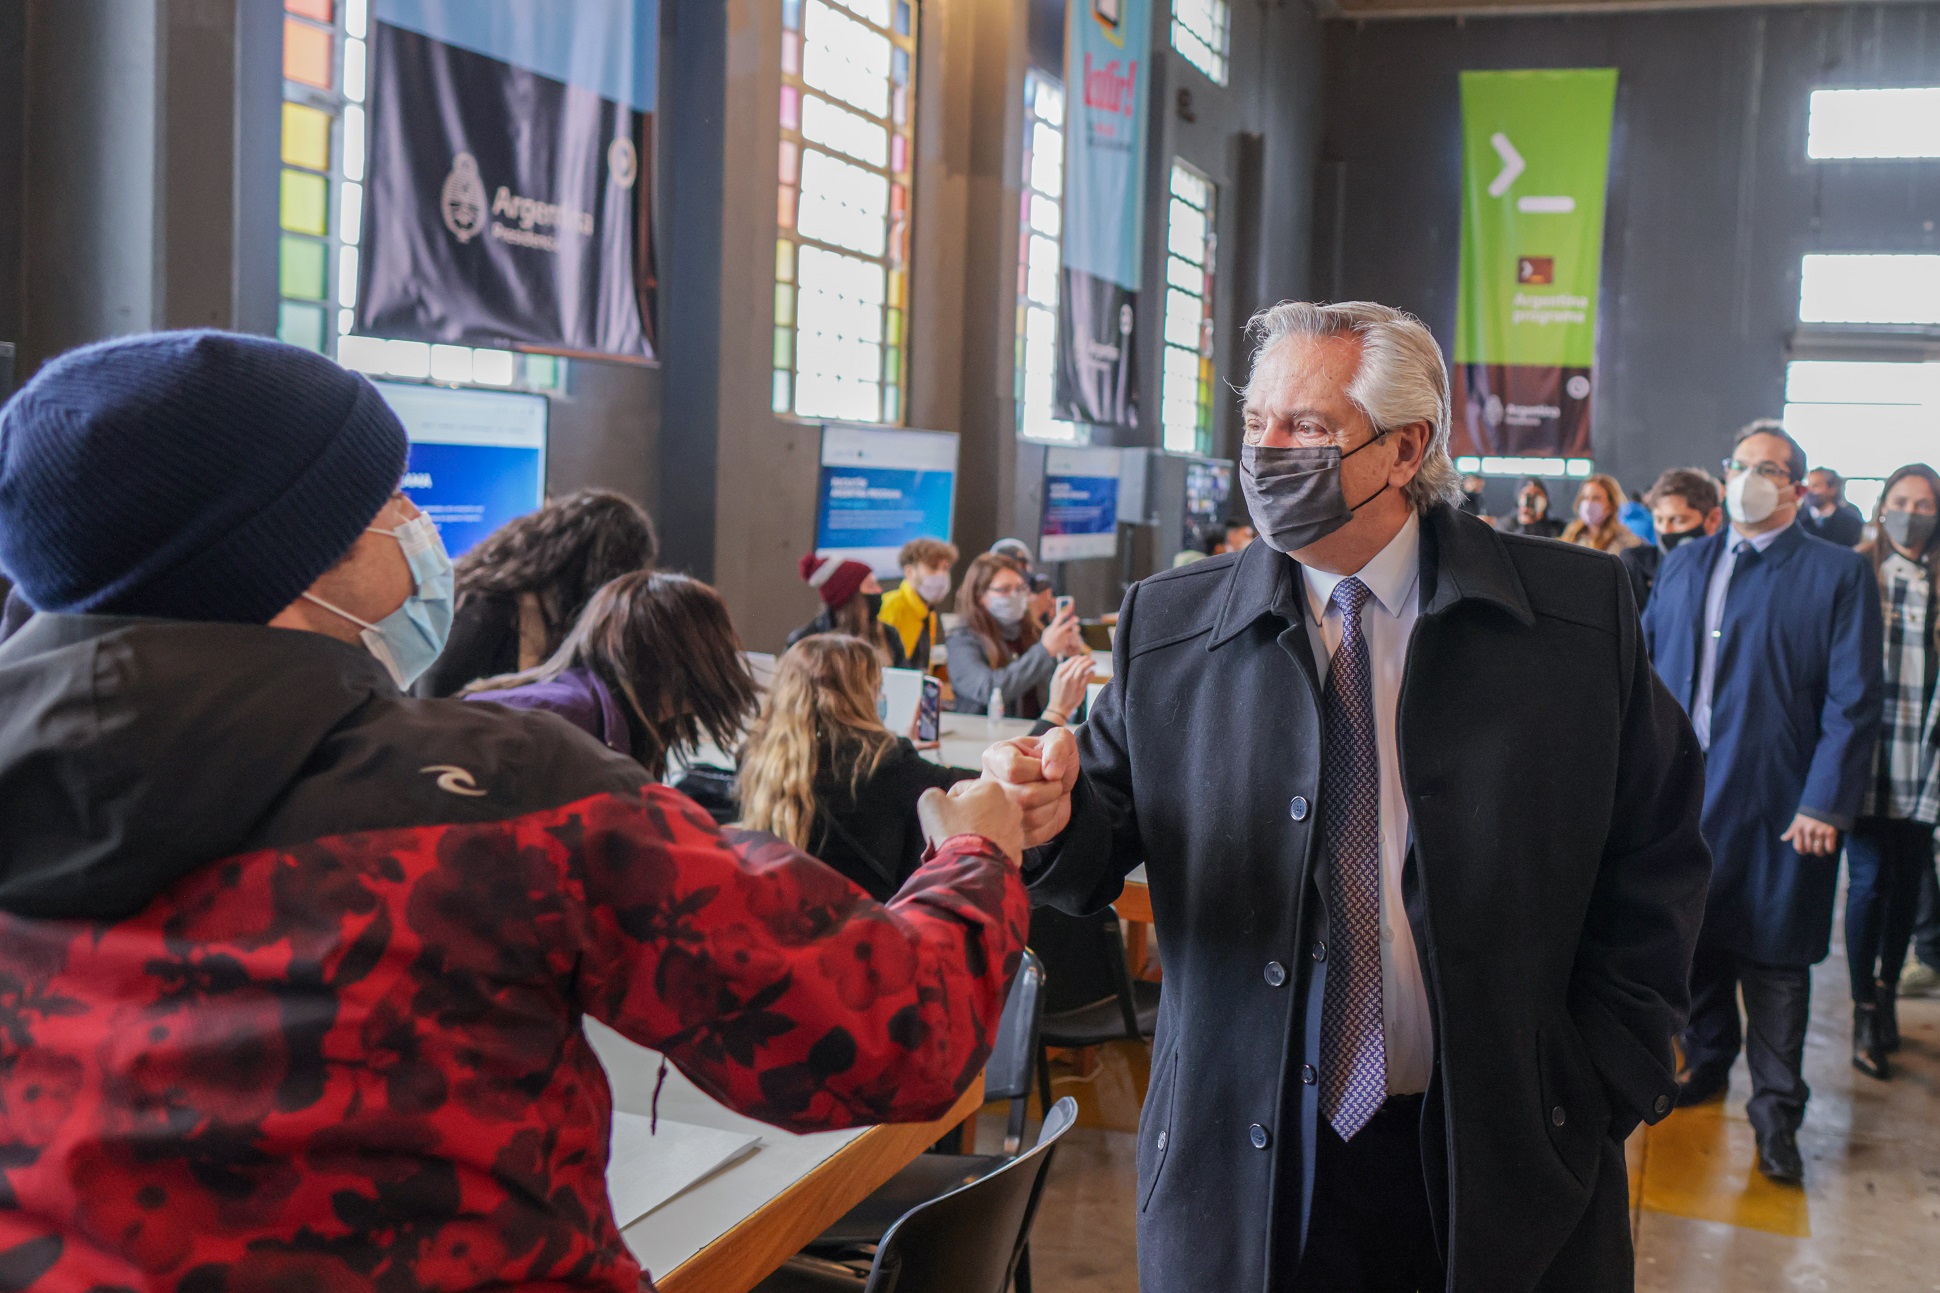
(834, 578)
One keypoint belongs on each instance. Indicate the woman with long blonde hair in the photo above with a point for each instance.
(820, 770)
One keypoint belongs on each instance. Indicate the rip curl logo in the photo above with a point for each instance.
(454, 780)
(463, 201)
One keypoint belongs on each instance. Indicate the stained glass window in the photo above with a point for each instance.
(1186, 371)
(326, 61)
(1040, 225)
(1199, 34)
(843, 208)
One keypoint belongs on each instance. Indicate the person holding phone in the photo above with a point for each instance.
(820, 770)
(999, 645)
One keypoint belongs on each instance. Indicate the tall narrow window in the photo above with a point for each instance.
(848, 99)
(321, 195)
(1186, 393)
(1039, 226)
(1199, 34)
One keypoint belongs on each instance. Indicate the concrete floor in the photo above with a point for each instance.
(1705, 1221)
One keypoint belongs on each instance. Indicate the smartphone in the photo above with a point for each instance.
(1065, 605)
(929, 712)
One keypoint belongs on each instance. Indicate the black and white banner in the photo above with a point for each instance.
(505, 208)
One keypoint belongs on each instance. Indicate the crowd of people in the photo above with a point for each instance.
(246, 649)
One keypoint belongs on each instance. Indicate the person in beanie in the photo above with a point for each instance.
(852, 604)
(293, 965)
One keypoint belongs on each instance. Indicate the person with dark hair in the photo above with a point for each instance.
(1684, 505)
(653, 665)
(998, 646)
(1472, 487)
(910, 611)
(523, 587)
(297, 965)
(820, 770)
(1771, 640)
(1532, 513)
(1233, 536)
(1890, 848)
(1826, 514)
(851, 604)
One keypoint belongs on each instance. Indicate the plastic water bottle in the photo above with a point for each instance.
(994, 712)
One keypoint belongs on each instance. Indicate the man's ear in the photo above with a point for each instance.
(1713, 519)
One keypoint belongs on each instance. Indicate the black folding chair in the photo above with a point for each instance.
(1090, 996)
(968, 1241)
(1007, 1076)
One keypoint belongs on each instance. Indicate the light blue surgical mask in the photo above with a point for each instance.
(410, 638)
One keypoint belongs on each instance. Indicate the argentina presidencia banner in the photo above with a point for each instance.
(1535, 166)
(1107, 75)
(507, 202)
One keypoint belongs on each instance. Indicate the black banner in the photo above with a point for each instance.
(504, 208)
(1097, 368)
(1521, 410)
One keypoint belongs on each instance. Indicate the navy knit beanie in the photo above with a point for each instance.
(189, 475)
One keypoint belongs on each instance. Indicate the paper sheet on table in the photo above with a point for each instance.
(644, 1170)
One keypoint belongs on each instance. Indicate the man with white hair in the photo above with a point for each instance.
(1423, 965)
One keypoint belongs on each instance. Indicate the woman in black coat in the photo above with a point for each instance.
(821, 771)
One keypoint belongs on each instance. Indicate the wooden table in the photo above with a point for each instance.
(1134, 906)
(729, 1231)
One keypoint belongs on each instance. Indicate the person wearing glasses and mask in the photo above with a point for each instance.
(1684, 505)
(297, 964)
(999, 645)
(1415, 952)
(1771, 639)
(1532, 516)
(1889, 854)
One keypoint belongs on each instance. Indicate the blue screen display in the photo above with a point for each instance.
(478, 458)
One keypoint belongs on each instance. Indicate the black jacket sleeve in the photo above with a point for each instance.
(1084, 869)
(1630, 986)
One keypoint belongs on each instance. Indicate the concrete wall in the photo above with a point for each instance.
(1712, 199)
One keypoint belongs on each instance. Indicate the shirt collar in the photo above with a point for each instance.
(1390, 575)
(1760, 542)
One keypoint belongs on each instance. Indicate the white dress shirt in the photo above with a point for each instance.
(1714, 596)
(1387, 622)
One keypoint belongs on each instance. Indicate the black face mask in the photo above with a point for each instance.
(1668, 540)
(874, 602)
(1911, 531)
(1294, 495)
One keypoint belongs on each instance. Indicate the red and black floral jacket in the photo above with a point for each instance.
(292, 967)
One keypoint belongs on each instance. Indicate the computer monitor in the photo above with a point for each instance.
(1080, 504)
(880, 489)
(478, 458)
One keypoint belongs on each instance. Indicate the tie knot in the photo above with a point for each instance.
(1350, 595)
(1745, 548)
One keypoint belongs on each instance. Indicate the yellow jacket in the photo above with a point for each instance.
(914, 621)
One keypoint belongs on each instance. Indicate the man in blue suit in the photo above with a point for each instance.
(1771, 639)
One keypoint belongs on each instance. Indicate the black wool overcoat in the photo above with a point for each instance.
(1555, 886)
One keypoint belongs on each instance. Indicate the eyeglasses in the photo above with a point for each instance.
(1769, 470)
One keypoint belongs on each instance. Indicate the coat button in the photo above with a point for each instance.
(1557, 1116)
(1663, 1104)
(1276, 974)
(1257, 1134)
(1320, 952)
(1308, 1075)
(1162, 1139)
(1298, 808)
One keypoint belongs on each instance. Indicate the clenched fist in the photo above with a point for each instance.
(972, 808)
(1037, 773)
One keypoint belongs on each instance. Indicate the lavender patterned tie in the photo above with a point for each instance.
(1353, 1048)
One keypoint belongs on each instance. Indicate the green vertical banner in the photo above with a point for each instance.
(1535, 163)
